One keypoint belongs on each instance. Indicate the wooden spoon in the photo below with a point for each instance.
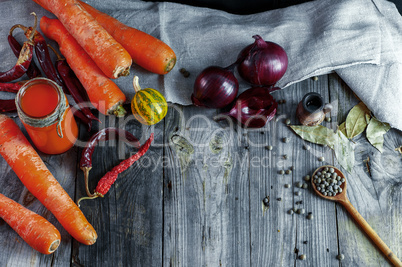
(343, 199)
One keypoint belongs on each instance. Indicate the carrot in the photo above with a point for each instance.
(40, 234)
(103, 93)
(146, 51)
(108, 54)
(33, 173)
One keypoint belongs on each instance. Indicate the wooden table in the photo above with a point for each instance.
(197, 197)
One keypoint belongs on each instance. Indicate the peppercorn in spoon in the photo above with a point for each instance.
(330, 183)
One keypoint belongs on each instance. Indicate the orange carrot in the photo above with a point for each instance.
(40, 234)
(34, 174)
(146, 51)
(103, 93)
(107, 53)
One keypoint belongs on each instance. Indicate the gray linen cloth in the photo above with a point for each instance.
(361, 40)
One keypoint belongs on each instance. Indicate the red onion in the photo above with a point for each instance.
(254, 107)
(262, 63)
(215, 87)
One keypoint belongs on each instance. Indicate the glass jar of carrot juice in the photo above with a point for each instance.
(44, 111)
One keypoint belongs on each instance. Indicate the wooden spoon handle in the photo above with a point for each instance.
(371, 233)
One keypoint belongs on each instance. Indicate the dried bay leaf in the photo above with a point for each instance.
(343, 148)
(344, 151)
(368, 118)
(375, 133)
(342, 128)
(356, 121)
(316, 134)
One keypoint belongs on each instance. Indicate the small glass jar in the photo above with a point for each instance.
(45, 113)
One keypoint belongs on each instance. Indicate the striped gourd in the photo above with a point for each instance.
(148, 105)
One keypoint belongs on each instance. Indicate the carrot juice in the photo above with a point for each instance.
(46, 115)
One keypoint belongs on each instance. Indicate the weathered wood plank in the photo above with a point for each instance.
(196, 199)
(207, 209)
(206, 195)
(129, 218)
(373, 189)
(278, 238)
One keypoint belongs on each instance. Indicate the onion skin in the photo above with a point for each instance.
(254, 107)
(215, 87)
(262, 63)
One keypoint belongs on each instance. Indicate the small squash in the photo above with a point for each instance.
(148, 105)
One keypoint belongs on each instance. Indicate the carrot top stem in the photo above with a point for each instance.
(54, 246)
(119, 111)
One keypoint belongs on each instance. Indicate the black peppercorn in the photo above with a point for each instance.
(266, 201)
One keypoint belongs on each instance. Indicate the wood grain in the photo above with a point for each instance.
(197, 198)
(129, 218)
(206, 197)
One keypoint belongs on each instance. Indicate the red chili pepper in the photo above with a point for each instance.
(110, 177)
(81, 116)
(106, 182)
(11, 87)
(73, 85)
(21, 67)
(105, 134)
(23, 62)
(33, 70)
(42, 54)
(7, 105)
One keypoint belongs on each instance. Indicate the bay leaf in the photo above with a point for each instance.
(375, 133)
(356, 121)
(316, 134)
(338, 142)
(342, 128)
(344, 151)
(368, 118)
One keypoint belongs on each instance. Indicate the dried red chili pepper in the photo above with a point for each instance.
(73, 85)
(24, 59)
(11, 87)
(105, 134)
(81, 116)
(110, 177)
(33, 70)
(7, 105)
(42, 54)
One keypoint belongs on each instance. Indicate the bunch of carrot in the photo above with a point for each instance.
(33, 173)
(99, 48)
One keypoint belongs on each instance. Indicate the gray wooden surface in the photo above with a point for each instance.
(196, 198)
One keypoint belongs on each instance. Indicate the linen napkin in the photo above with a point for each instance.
(380, 86)
(359, 39)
